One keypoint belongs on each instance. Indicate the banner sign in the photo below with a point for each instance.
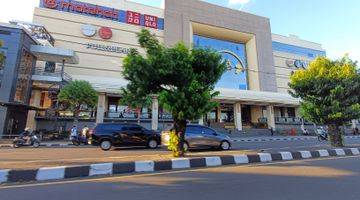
(87, 9)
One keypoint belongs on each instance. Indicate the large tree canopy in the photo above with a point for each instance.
(76, 94)
(330, 93)
(184, 79)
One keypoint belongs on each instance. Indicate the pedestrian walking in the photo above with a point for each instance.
(272, 131)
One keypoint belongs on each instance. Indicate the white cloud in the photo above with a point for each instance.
(238, 2)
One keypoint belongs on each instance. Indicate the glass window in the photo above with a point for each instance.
(208, 131)
(291, 112)
(234, 77)
(287, 48)
(2, 64)
(50, 67)
(193, 130)
(135, 128)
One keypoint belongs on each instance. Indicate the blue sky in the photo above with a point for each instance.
(333, 23)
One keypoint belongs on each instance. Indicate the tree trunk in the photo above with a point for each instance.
(139, 116)
(76, 117)
(180, 127)
(335, 136)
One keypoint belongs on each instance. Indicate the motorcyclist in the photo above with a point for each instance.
(26, 135)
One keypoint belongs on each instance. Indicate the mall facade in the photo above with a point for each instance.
(100, 33)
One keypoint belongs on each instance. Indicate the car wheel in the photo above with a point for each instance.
(186, 146)
(225, 145)
(105, 145)
(152, 144)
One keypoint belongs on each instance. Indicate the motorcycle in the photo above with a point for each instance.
(78, 140)
(34, 142)
(322, 134)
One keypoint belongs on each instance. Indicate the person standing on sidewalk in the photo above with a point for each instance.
(85, 133)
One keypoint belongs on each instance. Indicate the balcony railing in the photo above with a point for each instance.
(40, 74)
(288, 120)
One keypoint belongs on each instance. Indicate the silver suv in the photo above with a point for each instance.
(197, 136)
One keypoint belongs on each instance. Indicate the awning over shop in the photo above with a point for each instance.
(52, 54)
(19, 105)
(259, 97)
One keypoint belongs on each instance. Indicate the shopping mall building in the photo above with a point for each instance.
(88, 39)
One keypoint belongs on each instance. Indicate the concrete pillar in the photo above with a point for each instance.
(354, 123)
(270, 117)
(3, 114)
(218, 114)
(297, 112)
(35, 101)
(201, 120)
(100, 111)
(155, 113)
(237, 116)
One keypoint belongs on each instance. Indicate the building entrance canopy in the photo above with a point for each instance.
(52, 54)
(258, 97)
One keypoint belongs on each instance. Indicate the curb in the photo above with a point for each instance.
(285, 139)
(107, 169)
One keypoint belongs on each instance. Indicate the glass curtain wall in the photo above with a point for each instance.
(232, 78)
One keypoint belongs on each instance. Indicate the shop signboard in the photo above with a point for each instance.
(124, 16)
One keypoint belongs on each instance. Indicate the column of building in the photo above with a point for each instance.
(237, 116)
(35, 102)
(101, 107)
(270, 117)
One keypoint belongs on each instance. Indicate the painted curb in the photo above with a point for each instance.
(107, 169)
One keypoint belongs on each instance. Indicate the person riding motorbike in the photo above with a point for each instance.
(26, 135)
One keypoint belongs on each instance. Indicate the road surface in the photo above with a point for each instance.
(322, 179)
(25, 158)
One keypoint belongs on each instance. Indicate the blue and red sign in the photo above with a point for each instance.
(128, 17)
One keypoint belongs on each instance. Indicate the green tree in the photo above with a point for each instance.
(2, 57)
(77, 94)
(330, 94)
(183, 79)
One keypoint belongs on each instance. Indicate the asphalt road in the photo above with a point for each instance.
(328, 179)
(47, 157)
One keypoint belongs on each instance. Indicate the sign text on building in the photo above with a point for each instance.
(107, 48)
(128, 17)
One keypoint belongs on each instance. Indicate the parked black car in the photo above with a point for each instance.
(107, 135)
